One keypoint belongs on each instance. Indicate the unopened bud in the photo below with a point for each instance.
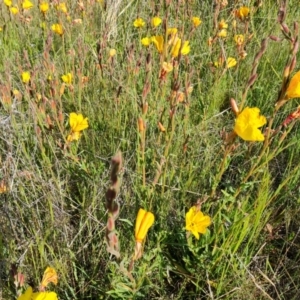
(295, 49)
(285, 28)
(234, 106)
(141, 125)
(110, 224)
(161, 127)
(145, 108)
(274, 38)
(286, 72)
(252, 80)
(293, 64)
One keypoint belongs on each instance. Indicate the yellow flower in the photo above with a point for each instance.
(158, 41)
(171, 30)
(67, 78)
(25, 77)
(242, 12)
(27, 4)
(58, 29)
(196, 221)
(14, 10)
(143, 222)
(223, 24)
(231, 62)
(62, 7)
(196, 21)
(77, 122)
(156, 21)
(50, 275)
(112, 52)
(293, 90)
(186, 48)
(44, 7)
(239, 39)
(8, 3)
(146, 41)
(247, 124)
(29, 295)
(139, 22)
(222, 33)
(176, 47)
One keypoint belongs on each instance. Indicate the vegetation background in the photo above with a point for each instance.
(52, 201)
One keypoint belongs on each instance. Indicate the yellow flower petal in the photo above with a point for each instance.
(27, 295)
(293, 90)
(158, 41)
(144, 221)
(44, 296)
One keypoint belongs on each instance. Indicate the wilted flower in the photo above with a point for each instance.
(231, 62)
(57, 28)
(25, 77)
(44, 7)
(223, 24)
(171, 30)
(144, 221)
(293, 90)
(196, 21)
(50, 275)
(67, 78)
(146, 41)
(242, 12)
(29, 295)
(196, 221)
(156, 21)
(14, 10)
(167, 67)
(239, 39)
(158, 41)
(27, 4)
(3, 187)
(247, 124)
(139, 22)
(62, 7)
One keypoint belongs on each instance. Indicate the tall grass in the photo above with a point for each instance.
(175, 132)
